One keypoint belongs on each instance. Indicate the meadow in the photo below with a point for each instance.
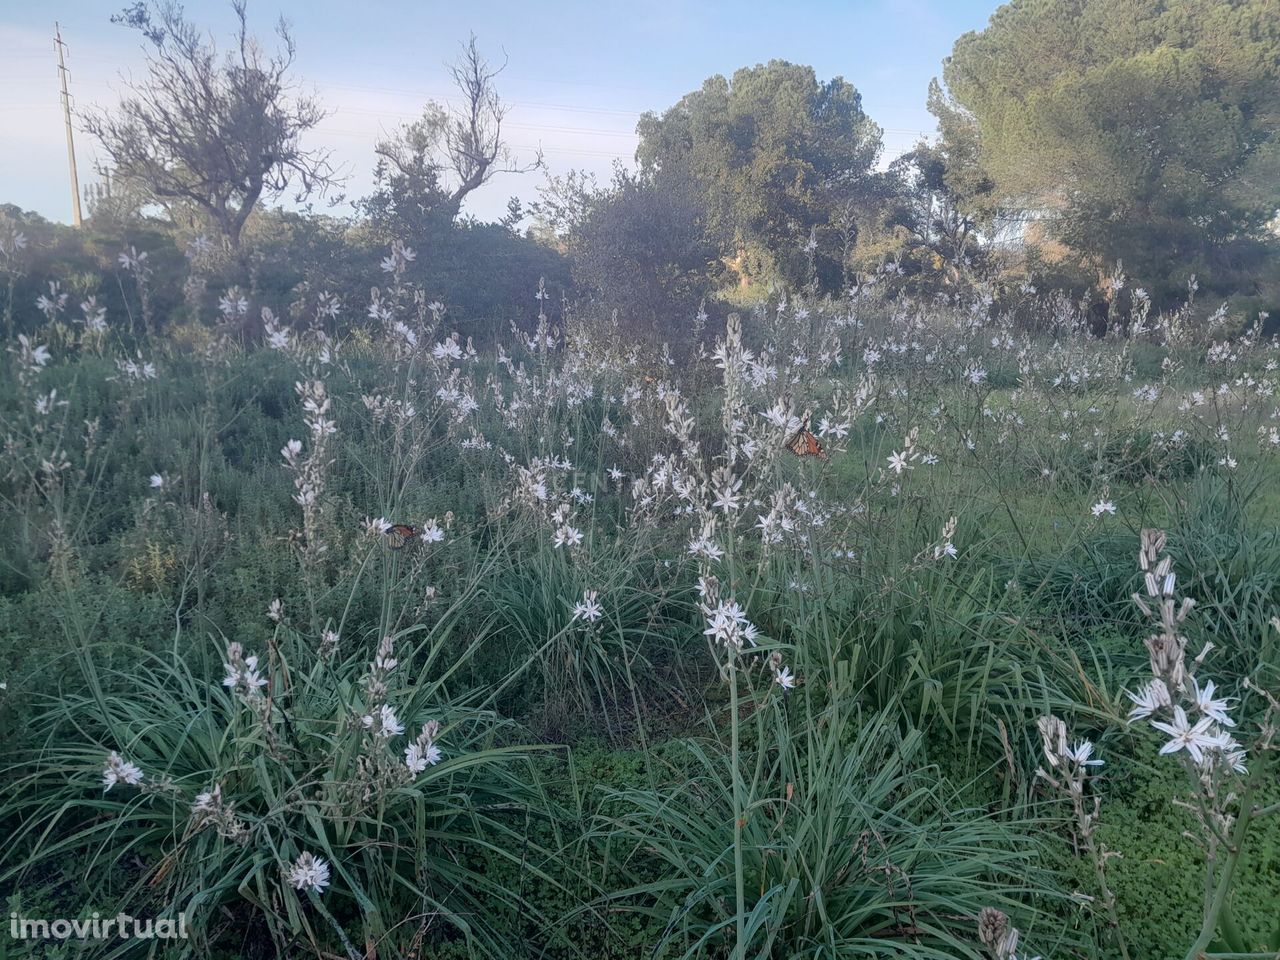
(356, 639)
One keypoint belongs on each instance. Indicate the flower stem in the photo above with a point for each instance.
(739, 880)
(1214, 906)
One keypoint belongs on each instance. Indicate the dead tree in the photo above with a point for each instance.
(432, 164)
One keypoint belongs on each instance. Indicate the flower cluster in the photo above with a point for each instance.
(423, 752)
(309, 873)
(209, 809)
(243, 676)
(310, 472)
(119, 770)
(380, 717)
(999, 936)
(1174, 701)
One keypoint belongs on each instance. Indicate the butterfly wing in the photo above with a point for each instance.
(804, 444)
(796, 443)
(400, 534)
(813, 448)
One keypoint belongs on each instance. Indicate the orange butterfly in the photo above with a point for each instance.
(804, 444)
(398, 534)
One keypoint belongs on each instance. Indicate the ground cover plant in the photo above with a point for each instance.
(875, 626)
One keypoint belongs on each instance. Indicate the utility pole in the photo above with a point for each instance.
(58, 46)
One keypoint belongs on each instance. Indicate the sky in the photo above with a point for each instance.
(578, 74)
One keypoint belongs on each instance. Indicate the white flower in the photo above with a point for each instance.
(131, 259)
(157, 481)
(46, 404)
(588, 608)
(405, 333)
(431, 532)
(729, 498)
(275, 610)
(780, 417)
(1081, 753)
(198, 247)
(785, 678)
(898, 462)
(447, 350)
(329, 641)
(376, 526)
(1194, 739)
(1233, 753)
(1154, 696)
(383, 721)
(727, 624)
(242, 670)
(119, 770)
(827, 428)
(1208, 706)
(1103, 506)
(705, 547)
(232, 304)
(417, 757)
(95, 317)
(566, 535)
(39, 354)
(277, 337)
(309, 873)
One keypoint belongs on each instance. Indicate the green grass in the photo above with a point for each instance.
(621, 787)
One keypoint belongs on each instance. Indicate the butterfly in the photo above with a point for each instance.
(398, 534)
(804, 444)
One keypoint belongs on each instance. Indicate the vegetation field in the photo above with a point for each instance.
(780, 551)
(376, 643)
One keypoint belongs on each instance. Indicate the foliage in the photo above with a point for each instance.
(641, 249)
(375, 592)
(778, 158)
(426, 170)
(941, 205)
(852, 848)
(1144, 131)
(232, 786)
(215, 135)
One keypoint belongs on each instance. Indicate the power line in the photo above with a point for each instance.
(607, 154)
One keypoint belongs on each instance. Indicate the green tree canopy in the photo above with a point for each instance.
(777, 157)
(1143, 130)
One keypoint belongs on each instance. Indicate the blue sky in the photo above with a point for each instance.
(578, 75)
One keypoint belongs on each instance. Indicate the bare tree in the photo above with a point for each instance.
(219, 133)
(430, 165)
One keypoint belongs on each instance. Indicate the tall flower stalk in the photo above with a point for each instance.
(1182, 706)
